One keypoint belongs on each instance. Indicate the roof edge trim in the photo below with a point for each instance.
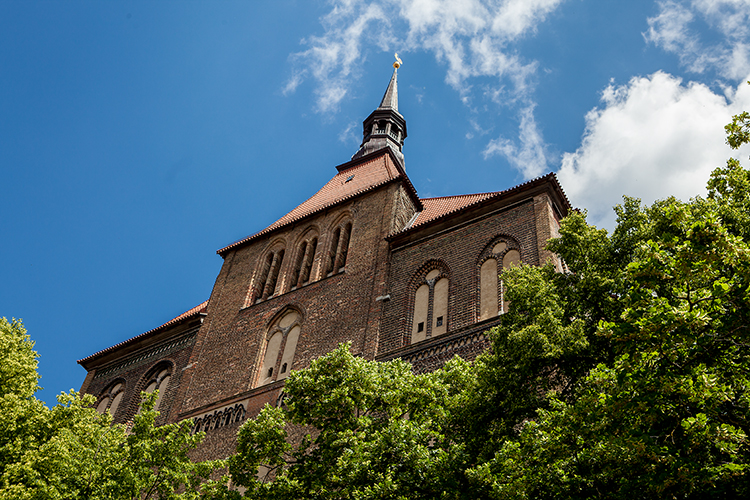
(199, 310)
(344, 166)
(551, 176)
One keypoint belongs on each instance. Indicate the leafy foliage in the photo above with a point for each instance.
(655, 401)
(352, 428)
(627, 376)
(72, 451)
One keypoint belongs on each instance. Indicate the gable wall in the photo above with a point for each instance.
(458, 249)
(338, 308)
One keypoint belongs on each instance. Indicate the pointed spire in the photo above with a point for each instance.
(390, 98)
(385, 127)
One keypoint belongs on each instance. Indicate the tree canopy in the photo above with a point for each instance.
(628, 375)
(72, 451)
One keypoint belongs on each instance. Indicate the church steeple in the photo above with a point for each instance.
(390, 98)
(385, 127)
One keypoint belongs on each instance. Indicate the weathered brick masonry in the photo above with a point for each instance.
(364, 260)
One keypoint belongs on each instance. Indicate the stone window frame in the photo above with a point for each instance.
(267, 277)
(279, 372)
(115, 388)
(419, 278)
(154, 374)
(487, 253)
(338, 245)
(303, 269)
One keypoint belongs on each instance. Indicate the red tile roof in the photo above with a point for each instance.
(195, 311)
(436, 208)
(348, 183)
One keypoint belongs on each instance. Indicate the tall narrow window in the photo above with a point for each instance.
(269, 363)
(440, 307)
(298, 263)
(343, 249)
(308, 262)
(421, 308)
(282, 343)
(332, 250)
(111, 399)
(289, 349)
(491, 292)
(118, 392)
(430, 307)
(159, 380)
(273, 274)
(264, 286)
(339, 249)
(260, 283)
(488, 307)
(103, 404)
(304, 260)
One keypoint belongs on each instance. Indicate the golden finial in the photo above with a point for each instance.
(398, 62)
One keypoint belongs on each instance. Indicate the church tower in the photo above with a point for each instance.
(385, 127)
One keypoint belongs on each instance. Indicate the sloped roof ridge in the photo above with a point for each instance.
(393, 171)
(194, 311)
(460, 195)
(481, 197)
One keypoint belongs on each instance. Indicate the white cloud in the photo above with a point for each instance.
(652, 138)
(530, 157)
(676, 30)
(470, 37)
(349, 134)
(333, 58)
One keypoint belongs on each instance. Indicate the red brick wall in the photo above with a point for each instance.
(457, 249)
(133, 370)
(219, 366)
(335, 309)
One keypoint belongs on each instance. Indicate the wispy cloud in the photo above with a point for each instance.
(349, 134)
(529, 153)
(675, 30)
(333, 59)
(471, 38)
(651, 138)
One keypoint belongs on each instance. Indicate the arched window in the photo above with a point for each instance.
(264, 286)
(491, 293)
(111, 398)
(430, 318)
(159, 379)
(303, 261)
(280, 348)
(338, 248)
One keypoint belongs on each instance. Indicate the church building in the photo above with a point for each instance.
(365, 260)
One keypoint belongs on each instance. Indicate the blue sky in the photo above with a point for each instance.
(137, 138)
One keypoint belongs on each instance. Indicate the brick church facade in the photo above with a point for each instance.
(364, 260)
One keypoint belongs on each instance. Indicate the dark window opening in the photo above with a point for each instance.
(270, 371)
(283, 368)
(420, 326)
(439, 321)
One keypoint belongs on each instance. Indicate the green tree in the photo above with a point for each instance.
(352, 428)
(627, 376)
(72, 451)
(654, 399)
